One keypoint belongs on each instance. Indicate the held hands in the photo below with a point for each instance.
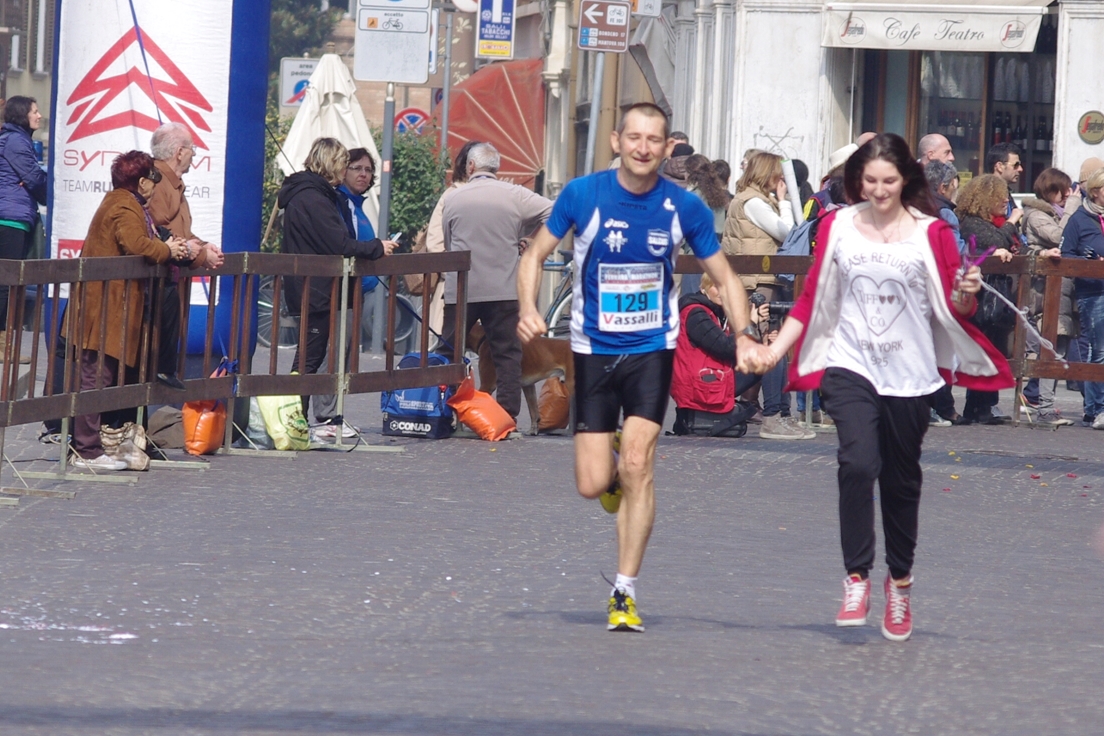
(751, 357)
(530, 324)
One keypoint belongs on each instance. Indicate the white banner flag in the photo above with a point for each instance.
(111, 97)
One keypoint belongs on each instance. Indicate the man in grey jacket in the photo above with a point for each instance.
(489, 218)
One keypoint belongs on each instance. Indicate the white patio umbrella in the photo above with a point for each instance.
(330, 109)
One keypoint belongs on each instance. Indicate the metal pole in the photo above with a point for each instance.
(378, 323)
(343, 335)
(447, 94)
(595, 105)
(386, 154)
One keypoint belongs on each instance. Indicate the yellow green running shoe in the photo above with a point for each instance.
(611, 499)
(622, 613)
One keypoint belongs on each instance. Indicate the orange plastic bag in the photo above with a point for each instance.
(480, 413)
(205, 421)
(204, 426)
(554, 405)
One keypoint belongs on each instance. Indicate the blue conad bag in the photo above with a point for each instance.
(418, 412)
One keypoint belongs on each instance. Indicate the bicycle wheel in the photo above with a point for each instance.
(559, 318)
(289, 326)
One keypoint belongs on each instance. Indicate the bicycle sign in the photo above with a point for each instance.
(394, 21)
(393, 41)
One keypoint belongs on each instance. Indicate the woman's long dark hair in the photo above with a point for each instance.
(891, 148)
(460, 166)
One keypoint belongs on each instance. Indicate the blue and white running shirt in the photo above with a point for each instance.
(625, 249)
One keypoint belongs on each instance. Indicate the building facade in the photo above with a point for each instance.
(804, 77)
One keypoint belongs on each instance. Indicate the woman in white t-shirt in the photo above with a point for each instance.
(881, 325)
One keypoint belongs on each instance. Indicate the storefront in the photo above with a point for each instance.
(979, 75)
(804, 77)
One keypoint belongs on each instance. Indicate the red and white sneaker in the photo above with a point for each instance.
(897, 622)
(856, 602)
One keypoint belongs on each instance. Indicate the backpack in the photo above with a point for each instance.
(801, 238)
(709, 424)
(418, 412)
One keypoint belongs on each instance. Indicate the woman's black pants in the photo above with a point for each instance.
(15, 244)
(880, 440)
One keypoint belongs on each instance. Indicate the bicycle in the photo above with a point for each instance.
(558, 315)
(405, 319)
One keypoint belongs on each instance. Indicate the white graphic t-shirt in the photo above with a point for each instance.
(884, 332)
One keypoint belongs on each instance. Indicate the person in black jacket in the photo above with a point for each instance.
(313, 226)
(22, 190)
(982, 205)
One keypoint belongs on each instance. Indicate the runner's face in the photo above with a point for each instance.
(882, 184)
(642, 144)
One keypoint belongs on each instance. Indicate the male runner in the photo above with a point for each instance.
(628, 225)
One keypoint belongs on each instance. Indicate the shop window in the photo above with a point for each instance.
(980, 99)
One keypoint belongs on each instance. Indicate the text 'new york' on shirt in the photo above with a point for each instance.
(625, 249)
(884, 332)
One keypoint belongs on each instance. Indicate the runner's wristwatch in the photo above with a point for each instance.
(749, 331)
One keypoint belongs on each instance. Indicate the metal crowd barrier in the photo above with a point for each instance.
(36, 291)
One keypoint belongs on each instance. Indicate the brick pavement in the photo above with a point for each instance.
(455, 589)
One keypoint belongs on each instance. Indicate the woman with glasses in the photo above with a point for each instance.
(122, 226)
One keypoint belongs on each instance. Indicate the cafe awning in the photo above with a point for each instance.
(950, 25)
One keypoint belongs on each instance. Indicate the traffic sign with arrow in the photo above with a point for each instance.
(604, 25)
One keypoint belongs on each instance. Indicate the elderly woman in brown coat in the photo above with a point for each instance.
(121, 227)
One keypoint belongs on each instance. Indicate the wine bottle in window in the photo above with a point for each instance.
(1050, 137)
(960, 130)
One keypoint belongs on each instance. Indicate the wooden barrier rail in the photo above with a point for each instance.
(37, 287)
(1025, 267)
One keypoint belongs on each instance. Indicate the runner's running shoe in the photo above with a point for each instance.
(611, 499)
(856, 602)
(897, 622)
(622, 613)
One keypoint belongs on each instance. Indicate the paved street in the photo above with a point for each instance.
(456, 589)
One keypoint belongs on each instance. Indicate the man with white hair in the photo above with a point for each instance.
(934, 147)
(489, 217)
(173, 149)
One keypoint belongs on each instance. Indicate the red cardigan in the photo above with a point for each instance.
(963, 355)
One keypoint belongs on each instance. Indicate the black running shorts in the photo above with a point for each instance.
(605, 384)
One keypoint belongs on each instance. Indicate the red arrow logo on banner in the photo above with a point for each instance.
(94, 93)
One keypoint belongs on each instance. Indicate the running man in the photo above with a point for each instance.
(628, 225)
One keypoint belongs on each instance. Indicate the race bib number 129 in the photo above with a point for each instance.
(628, 296)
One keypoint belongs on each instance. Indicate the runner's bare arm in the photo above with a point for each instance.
(530, 322)
(750, 355)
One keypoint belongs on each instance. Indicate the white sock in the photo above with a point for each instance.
(626, 585)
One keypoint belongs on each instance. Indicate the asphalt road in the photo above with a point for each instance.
(456, 589)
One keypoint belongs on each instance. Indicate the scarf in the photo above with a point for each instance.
(1093, 207)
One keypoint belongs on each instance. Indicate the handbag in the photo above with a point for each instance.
(992, 313)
